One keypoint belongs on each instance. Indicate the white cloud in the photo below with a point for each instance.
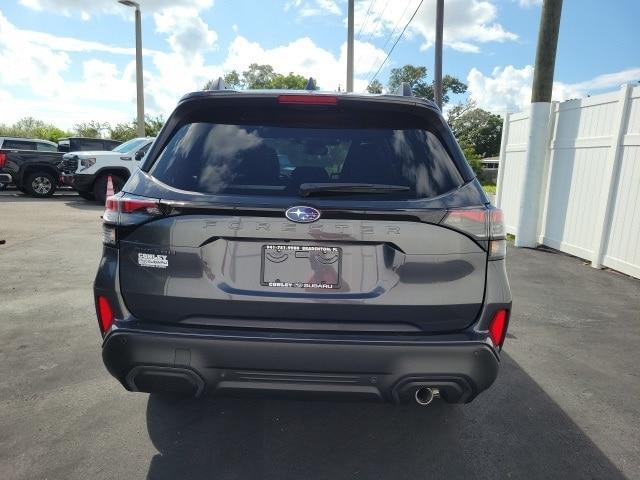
(314, 8)
(467, 23)
(84, 8)
(303, 56)
(187, 33)
(509, 88)
(529, 3)
(105, 90)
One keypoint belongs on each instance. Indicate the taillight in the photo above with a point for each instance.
(498, 328)
(483, 224)
(3, 159)
(126, 210)
(309, 99)
(105, 313)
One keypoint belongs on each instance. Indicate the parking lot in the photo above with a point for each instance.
(566, 403)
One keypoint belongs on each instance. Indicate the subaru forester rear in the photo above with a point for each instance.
(304, 243)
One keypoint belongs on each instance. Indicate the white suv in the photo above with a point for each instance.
(88, 172)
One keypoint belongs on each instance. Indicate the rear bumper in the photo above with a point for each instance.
(6, 178)
(224, 363)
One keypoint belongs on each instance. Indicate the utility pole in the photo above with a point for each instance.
(539, 117)
(438, 53)
(350, 47)
(140, 131)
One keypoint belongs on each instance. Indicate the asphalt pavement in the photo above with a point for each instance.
(566, 403)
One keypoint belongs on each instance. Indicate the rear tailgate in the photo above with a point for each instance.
(390, 275)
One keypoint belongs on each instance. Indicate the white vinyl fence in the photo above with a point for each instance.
(590, 205)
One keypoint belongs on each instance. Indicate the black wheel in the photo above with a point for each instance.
(40, 184)
(87, 195)
(100, 187)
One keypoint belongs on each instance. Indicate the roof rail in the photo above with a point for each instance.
(218, 85)
(311, 84)
(404, 90)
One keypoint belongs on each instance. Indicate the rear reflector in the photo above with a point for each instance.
(498, 328)
(310, 99)
(105, 314)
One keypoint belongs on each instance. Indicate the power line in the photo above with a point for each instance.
(393, 32)
(395, 43)
(395, 27)
(380, 19)
(366, 16)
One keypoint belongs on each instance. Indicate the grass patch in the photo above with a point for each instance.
(489, 188)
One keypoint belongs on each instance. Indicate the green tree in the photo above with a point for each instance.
(92, 129)
(30, 127)
(472, 157)
(374, 87)
(127, 131)
(416, 76)
(123, 131)
(291, 81)
(258, 76)
(479, 129)
(261, 77)
(153, 125)
(233, 80)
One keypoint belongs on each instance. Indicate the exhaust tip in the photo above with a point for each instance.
(425, 395)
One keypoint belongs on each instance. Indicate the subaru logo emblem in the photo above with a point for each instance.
(300, 214)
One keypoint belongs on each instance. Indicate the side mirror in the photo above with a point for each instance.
(140, 154)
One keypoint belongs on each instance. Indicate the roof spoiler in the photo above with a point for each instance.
(404, 90)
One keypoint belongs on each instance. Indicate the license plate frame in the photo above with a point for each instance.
(324, 264)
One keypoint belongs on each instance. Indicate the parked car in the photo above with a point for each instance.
(32, 164)
(17, 143)
(88, 172)
(374, 270)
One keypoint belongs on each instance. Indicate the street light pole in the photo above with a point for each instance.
(350, 46)
(437, 74)
(139, 80)
(531, 186)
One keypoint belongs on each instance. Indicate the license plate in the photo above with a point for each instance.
(301, 266)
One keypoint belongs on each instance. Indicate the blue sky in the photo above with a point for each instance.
(68, 61)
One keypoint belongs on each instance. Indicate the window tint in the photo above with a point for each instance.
(130, 145)
(19, 145)
(85, 144)
(276, 160)
(45, 147)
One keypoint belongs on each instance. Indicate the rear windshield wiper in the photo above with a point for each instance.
(307, 189)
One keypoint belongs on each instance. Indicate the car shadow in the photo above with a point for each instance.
(514, 430)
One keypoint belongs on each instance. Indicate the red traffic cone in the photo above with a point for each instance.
(109, 187)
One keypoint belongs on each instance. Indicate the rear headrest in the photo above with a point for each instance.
(258, 165)
(309, 175)
(365, 163)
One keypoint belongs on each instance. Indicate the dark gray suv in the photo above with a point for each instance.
(370, 264)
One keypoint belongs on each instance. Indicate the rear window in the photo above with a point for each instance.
(45, 147)
(86, 144)
(19, 145)
(222, 158)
